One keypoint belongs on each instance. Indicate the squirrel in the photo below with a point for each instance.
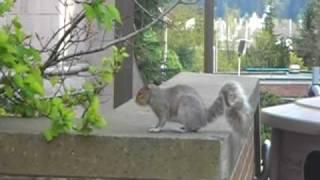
(237, 107)
(182, 104)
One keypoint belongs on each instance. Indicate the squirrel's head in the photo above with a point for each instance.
(143, 96)
(231, 91)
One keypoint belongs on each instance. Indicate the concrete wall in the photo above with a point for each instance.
(36, 16)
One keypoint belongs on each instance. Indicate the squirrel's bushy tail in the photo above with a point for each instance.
(216, 109)
(231, 96)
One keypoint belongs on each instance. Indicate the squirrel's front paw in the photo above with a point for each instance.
(154, 130)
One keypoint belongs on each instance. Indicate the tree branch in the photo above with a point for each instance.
(121, 39)
(147, 12)
(53, 57)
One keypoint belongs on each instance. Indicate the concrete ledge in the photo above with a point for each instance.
(109, 156)
(125, 149)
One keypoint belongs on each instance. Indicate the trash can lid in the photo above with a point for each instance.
(302, 116)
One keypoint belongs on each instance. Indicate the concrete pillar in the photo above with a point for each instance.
(123, 82)
(208, 36)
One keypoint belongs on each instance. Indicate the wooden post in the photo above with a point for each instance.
(208, 36)
(123, 81)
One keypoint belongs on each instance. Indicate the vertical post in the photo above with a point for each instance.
(239, 65)
(315, 75)
(123, 81)
(208, 36)
(165, 55)
(257, 143)
(216, 53)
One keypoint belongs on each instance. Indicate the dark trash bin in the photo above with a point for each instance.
(295, 152)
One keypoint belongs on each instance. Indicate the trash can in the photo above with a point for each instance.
(295, 152)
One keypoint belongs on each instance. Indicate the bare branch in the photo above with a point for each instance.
(121, 39)
(147, 12)
(73, 71)
(52, 58)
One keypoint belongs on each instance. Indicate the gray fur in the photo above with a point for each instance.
(182, 104)
(237, 108)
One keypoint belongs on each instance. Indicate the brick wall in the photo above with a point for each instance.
(49, 178)
(286, 90)
(244, 168)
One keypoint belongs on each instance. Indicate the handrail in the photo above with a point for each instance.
(266, 161)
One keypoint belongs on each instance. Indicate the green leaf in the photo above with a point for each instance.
(34, 53)
(5, 6)
(114, 12)
(54, 80)
(21, 68)
(18, 80)
(2, 111)
(93, 69)
(50, 134)
(34, 85)
(11, 48)
(54, 114)
(3, 37)
(90, 14)
(100, 122)
(107, 77)
(8, 60)
(125, 55)
(88, 86)
(16, 23)
(29, 112)
(8, 91)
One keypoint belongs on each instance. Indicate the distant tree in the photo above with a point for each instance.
(149, 47)
(149, 52)
(267, 52)
(230, 16)
(187, 41)
(308, 45)
(268, 49)
(269, 19)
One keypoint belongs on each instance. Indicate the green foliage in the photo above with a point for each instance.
(227, 61)
(152, 6)
(268, 22)
(186, 54)
(267, 52)
(104, 14)
(294, 59)
(308, 43)
(268, 49)
(268, 99)
(149, 47)
(173, 65)
(21, 80)
(187, 42)
(19, 65)
(62, 109)
(149, 55)
(5, 6)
